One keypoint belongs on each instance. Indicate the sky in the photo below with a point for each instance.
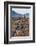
(22, 10)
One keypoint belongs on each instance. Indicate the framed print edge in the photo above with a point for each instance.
(6, 35)
(5, 23)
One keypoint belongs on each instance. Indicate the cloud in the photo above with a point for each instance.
(21, 10)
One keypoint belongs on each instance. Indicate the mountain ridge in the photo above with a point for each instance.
(15, 14)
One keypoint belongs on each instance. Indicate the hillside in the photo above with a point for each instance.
(20, 27)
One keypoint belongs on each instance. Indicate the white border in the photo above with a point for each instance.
(30, 37)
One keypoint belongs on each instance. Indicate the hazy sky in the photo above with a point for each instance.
(22, 10)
